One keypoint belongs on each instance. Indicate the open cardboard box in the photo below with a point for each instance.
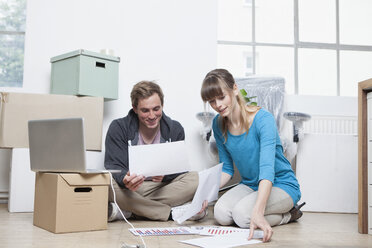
(71, 202)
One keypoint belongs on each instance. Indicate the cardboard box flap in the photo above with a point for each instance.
(3, 99)
(3, 96)
(74, 179)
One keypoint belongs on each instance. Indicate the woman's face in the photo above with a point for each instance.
(224, 104)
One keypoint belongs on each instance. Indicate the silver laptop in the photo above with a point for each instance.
(57, 145)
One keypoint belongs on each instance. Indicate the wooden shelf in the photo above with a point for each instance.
(364, 88)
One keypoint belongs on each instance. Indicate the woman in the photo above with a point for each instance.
(248, 136)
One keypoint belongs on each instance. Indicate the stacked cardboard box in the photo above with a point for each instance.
(16, 109)
(82, 72)
(63, 202)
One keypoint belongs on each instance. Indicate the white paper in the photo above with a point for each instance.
(158, 159)
(222, 241)
(209, 184)
(161, 231)
(226, 230)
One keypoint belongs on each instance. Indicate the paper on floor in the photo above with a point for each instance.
(225, 230)
(161, 231)
(209, 184)
(222, 241)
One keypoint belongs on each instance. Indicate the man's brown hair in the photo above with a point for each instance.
(145, 89)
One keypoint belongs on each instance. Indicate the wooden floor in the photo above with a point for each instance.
(312, 230)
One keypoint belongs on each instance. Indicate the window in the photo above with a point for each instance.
(248, 64)
(320, 47)
(12, 34)
(247, 3)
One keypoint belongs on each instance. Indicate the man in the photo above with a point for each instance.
(146, 123)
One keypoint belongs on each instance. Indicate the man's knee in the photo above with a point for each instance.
(191, 182)
(192, 176)
(194, 180)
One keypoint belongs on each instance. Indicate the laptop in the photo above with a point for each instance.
(57, 145)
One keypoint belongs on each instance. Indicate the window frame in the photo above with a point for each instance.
(297, 44)
(16, 33)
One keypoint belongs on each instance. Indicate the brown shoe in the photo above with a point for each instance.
(296, 213)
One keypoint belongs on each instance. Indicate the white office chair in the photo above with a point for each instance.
(270, 94)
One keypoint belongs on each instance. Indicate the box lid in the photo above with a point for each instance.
(75, 179)
(85, 53)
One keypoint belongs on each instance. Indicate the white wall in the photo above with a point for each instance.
(323, 105)
(172, 42)
(327, 164)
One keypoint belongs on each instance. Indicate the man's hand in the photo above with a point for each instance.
(132, 182)
(259, 221)
(157, 178)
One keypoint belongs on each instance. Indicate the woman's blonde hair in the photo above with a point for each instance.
(213, 84)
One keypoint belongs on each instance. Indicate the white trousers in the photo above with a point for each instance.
(236, 205)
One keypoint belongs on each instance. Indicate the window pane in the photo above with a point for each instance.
(277, 61)
(234, 20)
(356, 22)
(355, 66)
(274, 21)
(11, 60)
(317, 72)
(236, 59)
(12, 15)
(317, 20)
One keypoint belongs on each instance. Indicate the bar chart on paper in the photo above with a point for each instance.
(161, 231)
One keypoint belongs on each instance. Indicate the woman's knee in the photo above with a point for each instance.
(222, 214)
(241, 216)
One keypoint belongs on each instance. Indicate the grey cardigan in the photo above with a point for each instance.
(125, 129)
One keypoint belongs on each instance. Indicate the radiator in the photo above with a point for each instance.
(327, 164)
(331, 125)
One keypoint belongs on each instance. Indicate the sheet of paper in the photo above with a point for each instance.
(222, 241)
(158, 159)
(209, 184)
(225, 230)
(157, 231)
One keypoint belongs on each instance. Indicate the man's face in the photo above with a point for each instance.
(149, 111)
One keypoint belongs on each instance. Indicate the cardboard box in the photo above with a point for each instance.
(16, 109)
(82, 72)
(70, 202)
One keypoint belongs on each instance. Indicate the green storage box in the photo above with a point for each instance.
(85, 73)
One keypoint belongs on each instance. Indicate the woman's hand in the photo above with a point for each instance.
(258, 221)
(257, 216)
(204, 206)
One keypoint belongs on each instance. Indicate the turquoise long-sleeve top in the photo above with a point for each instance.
(257, 155)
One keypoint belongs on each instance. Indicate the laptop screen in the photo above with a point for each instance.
(57, 145)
